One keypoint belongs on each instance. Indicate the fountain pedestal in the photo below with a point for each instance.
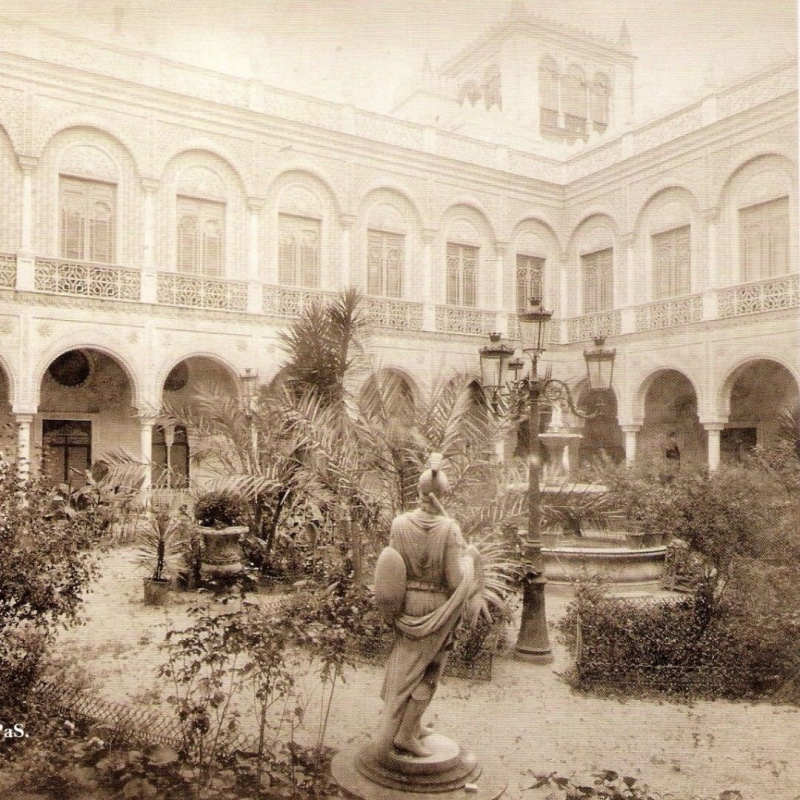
(222, 553)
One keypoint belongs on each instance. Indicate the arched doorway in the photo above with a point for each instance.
(671, 430)
(85, 410)
(759, 392)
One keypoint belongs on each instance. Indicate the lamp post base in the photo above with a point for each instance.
(533, 644)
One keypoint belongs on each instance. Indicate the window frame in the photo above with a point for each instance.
(676, 281)
(460, 277)
(297, 267)
(592, 301)
(205, 207)
(88, 222)
(384, 267)
(784, 241)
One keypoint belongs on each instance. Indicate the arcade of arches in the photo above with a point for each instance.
(87, 409)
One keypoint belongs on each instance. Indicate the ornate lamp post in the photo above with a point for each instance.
(533, 643)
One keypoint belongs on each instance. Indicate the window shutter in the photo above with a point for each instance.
(764, 239)
(187, 241)
(87, 219)
(394, 265)
(375, 263)
(212, 248)
(598, 281)
(469, 276)
(299, 251)
(287, 251)
(529, 280)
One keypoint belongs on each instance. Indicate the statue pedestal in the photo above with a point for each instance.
(362, 773)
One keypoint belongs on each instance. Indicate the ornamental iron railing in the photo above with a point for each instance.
(194, 291)
(669, 312)
(87, 279)
(459, 319)
(289, 301)
(8, 270)
(591, 326)
(386, 312)
(752, 298)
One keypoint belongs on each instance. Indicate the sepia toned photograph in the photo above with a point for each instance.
(399, 400)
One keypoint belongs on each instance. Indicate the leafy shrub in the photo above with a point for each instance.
(45, 566)
(220, 510)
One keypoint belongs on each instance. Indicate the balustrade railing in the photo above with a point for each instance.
(459, 319)
(752, 298)
(289, 301)
(387, 312)
(8, 270)
(590, 326)
(86, 279)
(669, 312)
(175, 289)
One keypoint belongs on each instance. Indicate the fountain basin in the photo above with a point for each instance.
(642, 566)
(222, 553)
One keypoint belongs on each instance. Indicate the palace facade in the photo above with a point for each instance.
(161, 224)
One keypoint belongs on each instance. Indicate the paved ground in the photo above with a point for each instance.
(527, 719)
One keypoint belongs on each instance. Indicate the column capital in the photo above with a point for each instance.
(714, 424)
(500, 248)
(630, 428)
(710, 215)
(24, 417)
(627, 239)
(150, 185)
(428, 235)
(255, 203)
(27, 164)
(347, 220)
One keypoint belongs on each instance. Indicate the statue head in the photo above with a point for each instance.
(433, 480)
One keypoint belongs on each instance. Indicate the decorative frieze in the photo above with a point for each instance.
(386, 312)
(669, 312)
(175, 289)
(752, 298)
(84, 279)
(459, 319)
(591, 326)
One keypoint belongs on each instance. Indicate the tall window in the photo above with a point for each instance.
(67, 446)
(599, 94)
(385, 263)
(88, 219)
(672, 262)
(573, 91)
(764, 239)
(298, 251)
(548, 92)
(529, 280)
(598, 281)
(462, 274)
(201, 240)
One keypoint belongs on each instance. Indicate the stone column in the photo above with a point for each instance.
(345, 268)
(26, 260)
(711, 280)
(630, 442)
(500, 249)
(24, 422)
(713, 431)
(149, 278)
(146, 446)
(169, 440)
(426, 282)
(625, 290)
(254, 207)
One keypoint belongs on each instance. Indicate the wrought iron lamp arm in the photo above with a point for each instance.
(546, 387)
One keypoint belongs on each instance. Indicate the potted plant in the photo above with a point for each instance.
(159, 544)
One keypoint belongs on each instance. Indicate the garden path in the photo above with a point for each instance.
(526, 718)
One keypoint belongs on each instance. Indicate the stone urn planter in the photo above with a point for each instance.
(156, 591)
(222, 552)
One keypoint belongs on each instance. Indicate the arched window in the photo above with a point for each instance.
(299, 251)
(764, 239)
(672, 262)
(598, 281)
(600, 92)
(88, 219)
(530, 270)
(573, 91)
(548, 92)
(385, 263)
(462, 274)
(201, 225)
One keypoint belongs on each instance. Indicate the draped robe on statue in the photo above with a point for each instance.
(440, 582)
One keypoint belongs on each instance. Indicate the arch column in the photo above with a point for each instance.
(500, 249)
(426, 284)
(24, 421)
(624, 295)
(146, 447)
(254, 207)
(26, 260)
(713, 433)
(630, 432)
(711, 279)
(346, 222)
(149, 279)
